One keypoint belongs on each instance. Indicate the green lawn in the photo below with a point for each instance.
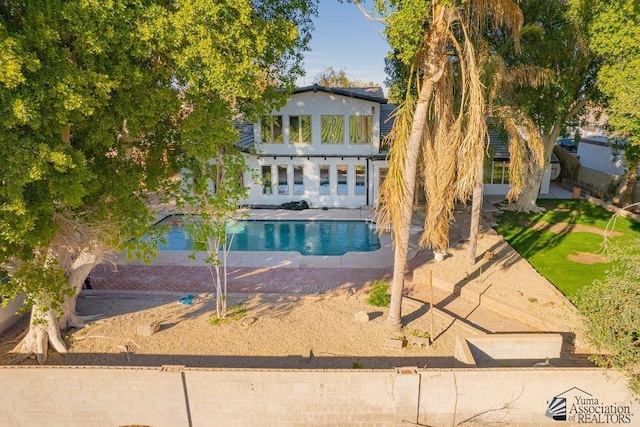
(548, 251)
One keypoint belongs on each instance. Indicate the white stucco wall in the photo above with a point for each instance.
(8, 314)
(311, 155)
(316, 104)
(596, 154)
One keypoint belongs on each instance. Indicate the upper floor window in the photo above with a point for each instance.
(332, 129)
(360, 129)
(300, 129)
(272, 130)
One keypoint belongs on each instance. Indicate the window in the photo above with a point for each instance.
(360, 189)
(496, 172)
(332, 129)
(325, 183)
(283, 180)
(298, 180)
(382, 175)
(360, 129)
(343, 190)
(272, 130)
(265, 175)
(300, 129)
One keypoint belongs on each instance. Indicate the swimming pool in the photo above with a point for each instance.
(309, 237)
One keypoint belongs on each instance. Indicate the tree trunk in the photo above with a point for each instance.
(434, 66)
(627, 188)
(476, 212)
(45, 323)
(527, 200)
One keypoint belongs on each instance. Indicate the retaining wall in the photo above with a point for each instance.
(175, 396)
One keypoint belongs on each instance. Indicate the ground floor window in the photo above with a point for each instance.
(360, 182)
(265, 176)
(343, 190)
(283, 180)
(325, 180)
(496, 171)
(298, 180)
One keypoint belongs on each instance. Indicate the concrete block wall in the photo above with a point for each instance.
(253, 397)
(516, 396)
(172, 396)
(482, 350)
(59, 396)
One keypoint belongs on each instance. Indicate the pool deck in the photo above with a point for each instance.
(268, 272)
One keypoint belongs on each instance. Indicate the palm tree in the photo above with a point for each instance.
(441, 123)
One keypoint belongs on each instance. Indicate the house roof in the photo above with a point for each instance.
(498, 144)
(386, 118)
(246, 135)
(374, 94)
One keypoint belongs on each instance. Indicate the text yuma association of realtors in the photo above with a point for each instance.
(590, 410)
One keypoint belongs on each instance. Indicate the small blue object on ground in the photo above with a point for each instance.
(188, 300)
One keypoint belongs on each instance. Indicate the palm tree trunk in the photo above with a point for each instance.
(434, 65)
(476, 211)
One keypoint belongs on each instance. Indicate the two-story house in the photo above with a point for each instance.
(322, 147)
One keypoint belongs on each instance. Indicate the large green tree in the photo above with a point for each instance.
(330, 77)
(441, 123)
(613, 31)
(555, 42)
(93, 99)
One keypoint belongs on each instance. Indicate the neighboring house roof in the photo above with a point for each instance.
(374, 94)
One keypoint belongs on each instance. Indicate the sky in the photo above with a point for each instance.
(345, 40)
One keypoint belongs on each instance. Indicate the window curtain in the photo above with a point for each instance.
(300, 129)
(360, 129)
(332, 129)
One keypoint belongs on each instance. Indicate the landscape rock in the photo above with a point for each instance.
(362, 316)
(148, 329)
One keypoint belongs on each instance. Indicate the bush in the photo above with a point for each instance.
(379, 295)
(611, 310)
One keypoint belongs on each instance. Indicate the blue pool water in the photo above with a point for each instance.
(306, 237)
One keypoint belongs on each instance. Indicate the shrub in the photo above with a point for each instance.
(379, 295)
(234, 313)
(611, 310)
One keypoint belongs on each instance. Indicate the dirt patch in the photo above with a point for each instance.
(278, 332)
(587, 258)
(564, 228)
